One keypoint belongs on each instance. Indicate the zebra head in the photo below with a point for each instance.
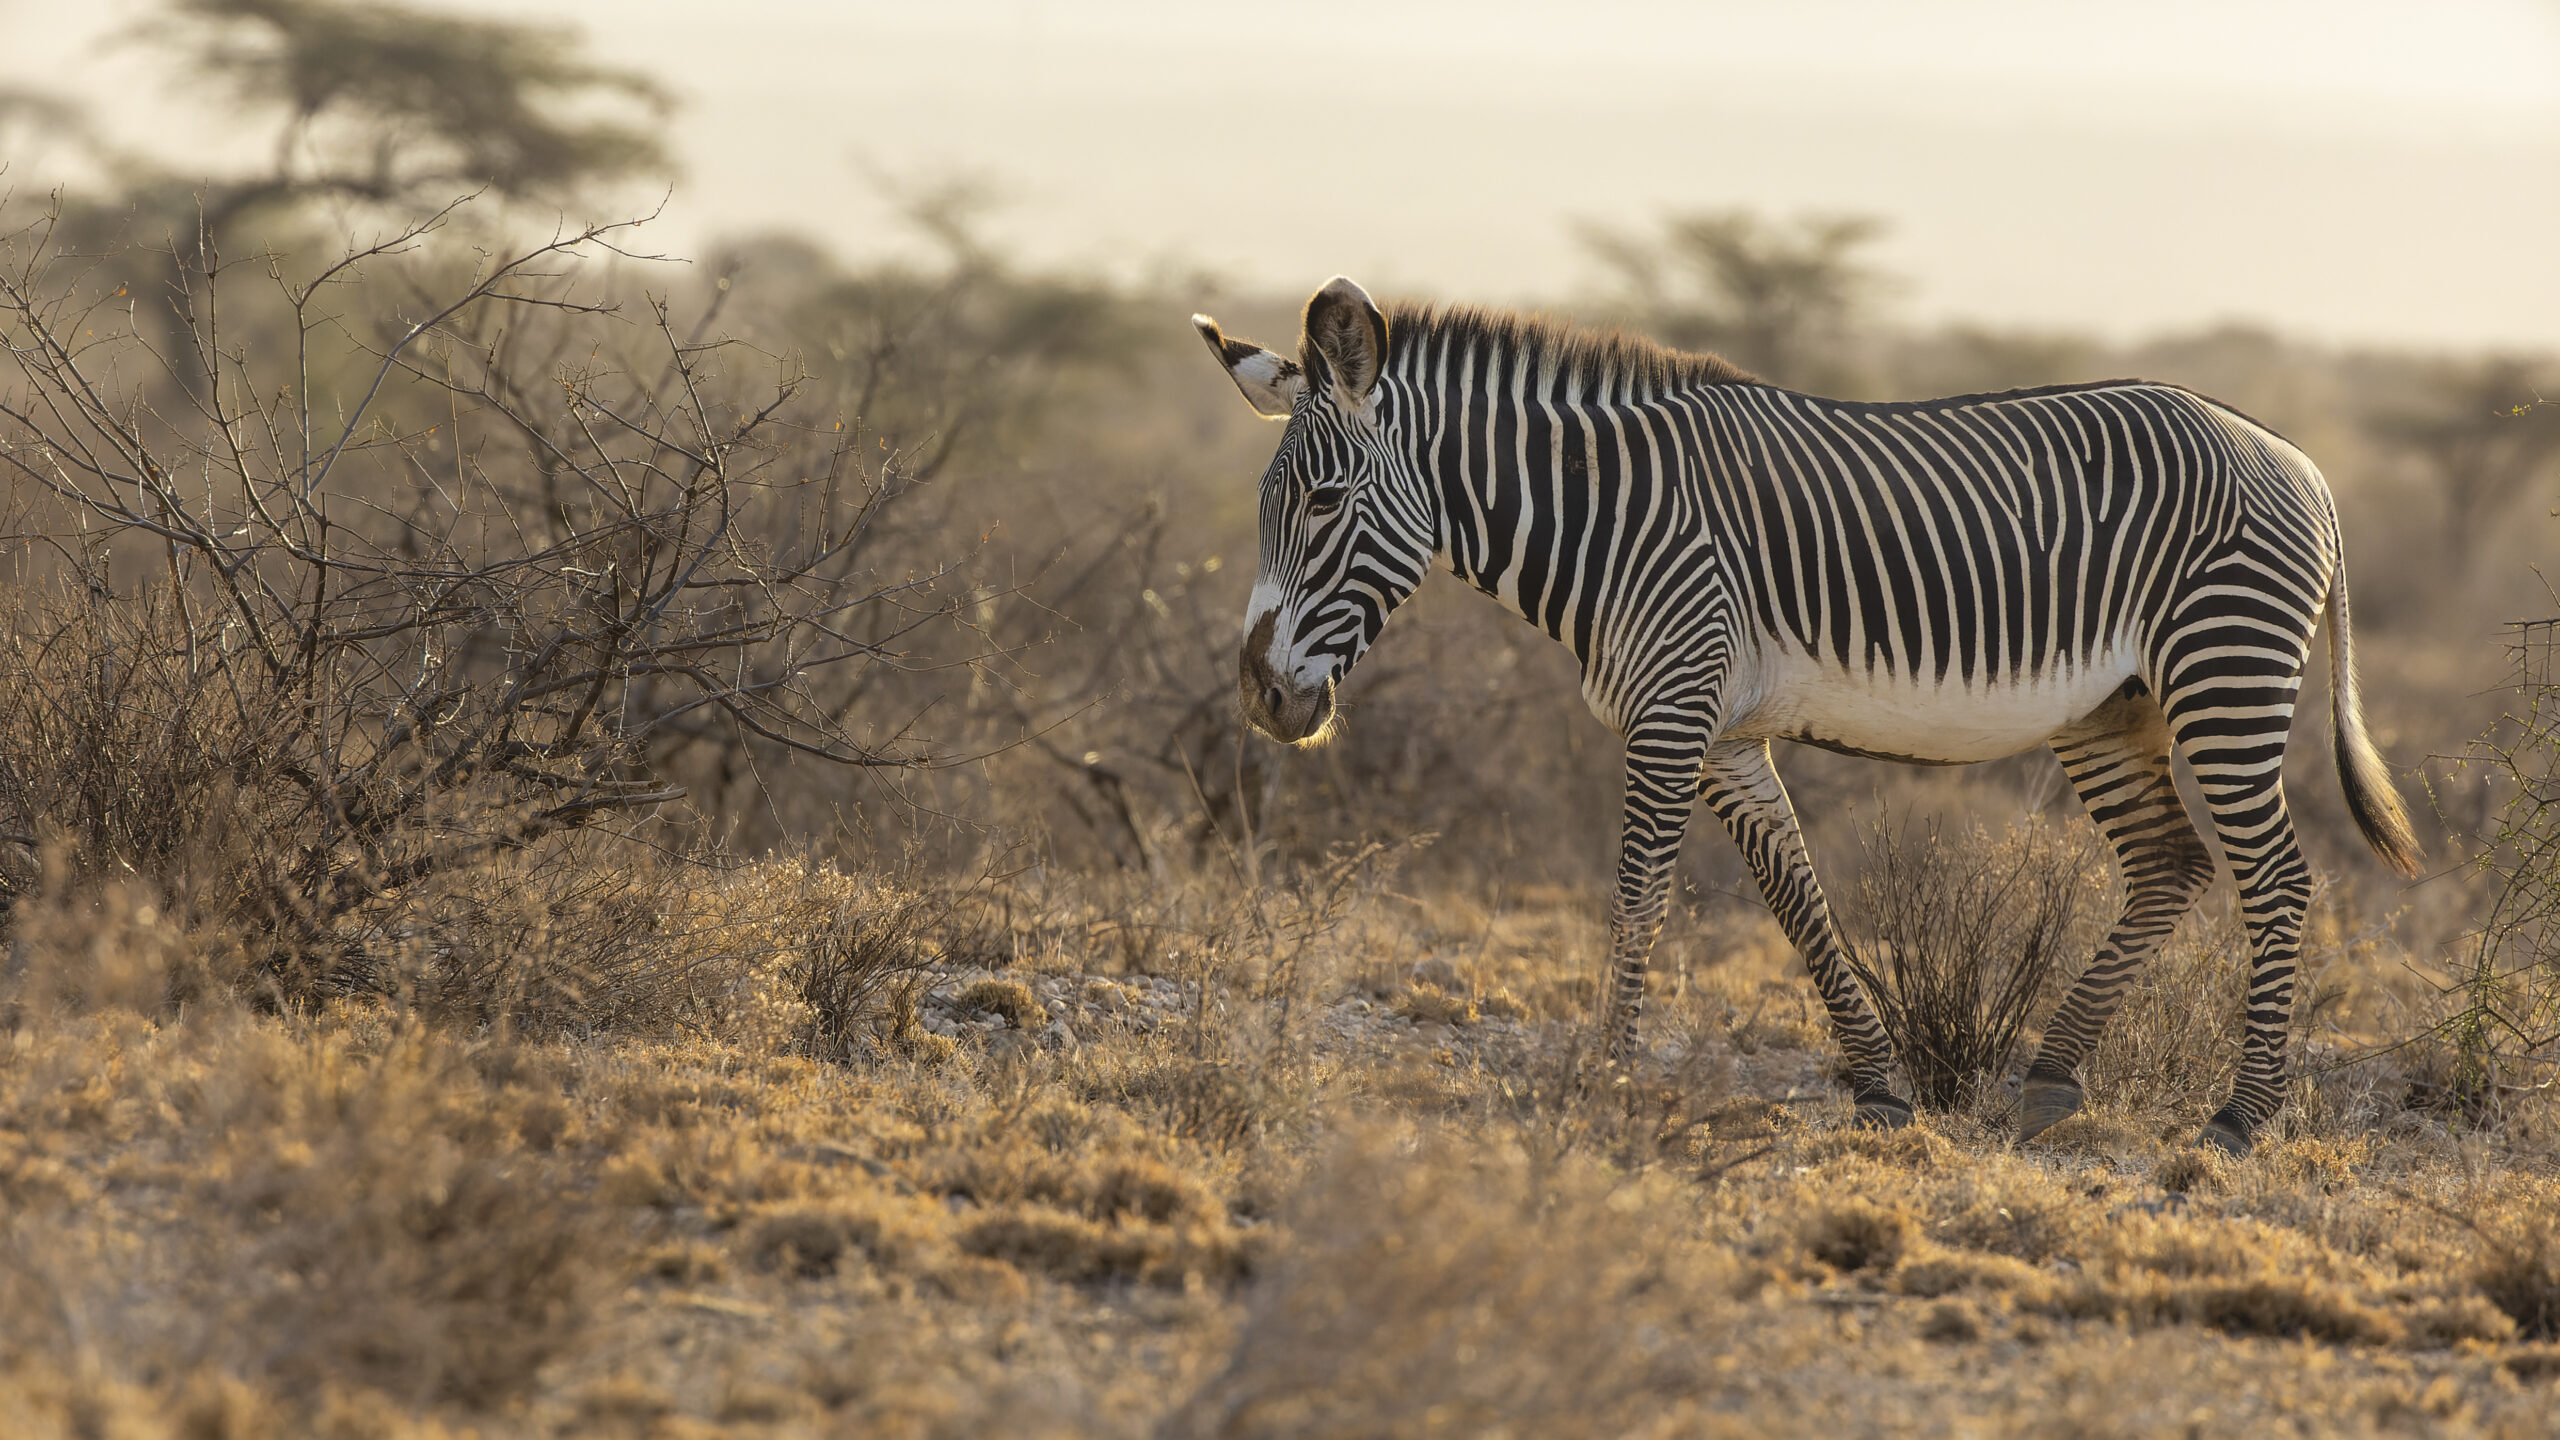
(1348, 525)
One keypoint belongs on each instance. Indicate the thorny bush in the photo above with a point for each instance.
(2503, 1029)
(1965, 936)
(429, 557)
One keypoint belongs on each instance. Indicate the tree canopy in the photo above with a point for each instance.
(394, 104)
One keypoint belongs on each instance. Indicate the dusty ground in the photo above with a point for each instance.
(1364, 1197)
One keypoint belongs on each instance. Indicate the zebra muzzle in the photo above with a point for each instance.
(1286, 713)
(1273, 701)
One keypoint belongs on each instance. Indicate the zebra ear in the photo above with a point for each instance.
(1347, 329)
(1271, 385)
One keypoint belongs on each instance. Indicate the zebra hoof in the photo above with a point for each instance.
(1886, 1111)
(2043, 1104)
(2225, 1134)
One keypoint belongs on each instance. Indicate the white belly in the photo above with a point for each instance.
(1898, 717)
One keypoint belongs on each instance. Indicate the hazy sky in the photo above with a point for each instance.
(2353, 170)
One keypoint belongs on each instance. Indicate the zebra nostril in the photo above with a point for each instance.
(1274, 699)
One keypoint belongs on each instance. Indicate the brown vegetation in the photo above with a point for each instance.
(365, 1220)
(617, 907)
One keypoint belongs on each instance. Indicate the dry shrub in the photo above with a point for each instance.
(623, 1405)
(2346, 1269)
(45, 1404)
(1222, 1104)
(2327, 1165)
(571, 933)
(1008, 1000)
(2193, 1168)
(418, 1209)
(2518, 1267)
(785, 954)
(2243, 1297)
(1971, 931)
(908, 1038)
(1431, 1290)
(85, 948)
(689, 1262)
(1931, 1273)
(1951, 1322)
(2500, 1034)
(1857, 1235)
(2284, 1307)
(350, 1204)
(124, 758)
(1124, 1206)
(582, 933)
(1148, 1190)
(1065, 1246)
(2252, 1278)
(399, 1240)
(2533, 1364)
(1425, 1004)
(2029, 1222)
(131, 757)
(814, 1238)
(2440, 1323)
(358, 719)
(855, 970)
(133, 749)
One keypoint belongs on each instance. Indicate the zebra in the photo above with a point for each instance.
(2118, 570)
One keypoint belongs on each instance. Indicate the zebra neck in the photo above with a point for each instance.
(1517, 502)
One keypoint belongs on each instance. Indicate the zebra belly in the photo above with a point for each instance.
(1894, 717)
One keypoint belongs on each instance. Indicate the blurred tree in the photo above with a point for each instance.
(1776, 298)
(394, 105)
(964, 354)
(2482, 434)
(27, 113)
(383, 105)
(1965, 359)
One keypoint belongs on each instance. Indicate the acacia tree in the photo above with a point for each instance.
(395, 105)
(957, 358)
(2482, 434)
(384, 110)
(1776, 298)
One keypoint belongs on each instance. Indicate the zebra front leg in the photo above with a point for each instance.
(1663, 759)
(1744, 790)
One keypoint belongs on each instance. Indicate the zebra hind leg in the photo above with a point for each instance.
(1744, 791)
(2275, 897)
(2118, 762)
(2240, 768)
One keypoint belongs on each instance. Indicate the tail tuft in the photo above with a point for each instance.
(2370, 794)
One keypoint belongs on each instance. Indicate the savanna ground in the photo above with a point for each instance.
(1349, 1190)
(600, 848)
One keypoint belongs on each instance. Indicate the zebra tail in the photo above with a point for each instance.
(2370, 795)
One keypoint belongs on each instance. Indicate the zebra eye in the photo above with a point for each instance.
(1325, 499)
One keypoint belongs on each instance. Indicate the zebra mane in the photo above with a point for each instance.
(1601, 358)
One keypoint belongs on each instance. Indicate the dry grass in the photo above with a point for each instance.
(2518, 1266)
(584, 1139)
(377, 1219)
(1010, 1000)
(349, 1204)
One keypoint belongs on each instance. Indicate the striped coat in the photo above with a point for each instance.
(2118, 571)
